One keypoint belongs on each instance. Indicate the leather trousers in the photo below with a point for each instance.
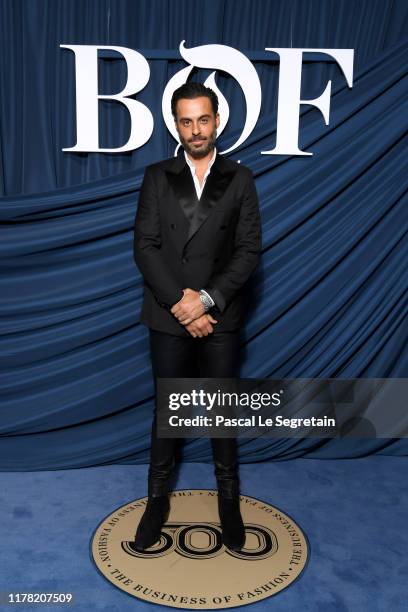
(214, 356)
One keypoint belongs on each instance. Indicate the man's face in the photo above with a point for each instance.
(197, 125)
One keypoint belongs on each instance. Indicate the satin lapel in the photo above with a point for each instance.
(215, 186)
(183, 187)
(197, 211)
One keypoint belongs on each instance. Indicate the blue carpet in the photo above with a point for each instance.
(354, 512)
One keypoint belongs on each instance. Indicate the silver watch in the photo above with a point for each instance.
(206, 301)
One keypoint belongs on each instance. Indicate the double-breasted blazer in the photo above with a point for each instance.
(211, 243)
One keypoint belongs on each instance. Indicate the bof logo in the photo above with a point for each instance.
(204, 541)
(214, 57)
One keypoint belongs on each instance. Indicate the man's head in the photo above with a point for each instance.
(195, 112)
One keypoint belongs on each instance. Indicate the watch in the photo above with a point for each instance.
(206, 300)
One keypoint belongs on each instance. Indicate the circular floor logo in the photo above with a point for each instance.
(190, 567)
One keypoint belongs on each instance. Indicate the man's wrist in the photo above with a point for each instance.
(217, 297)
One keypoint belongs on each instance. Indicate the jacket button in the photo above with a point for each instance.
(184, 260)
(173, 226)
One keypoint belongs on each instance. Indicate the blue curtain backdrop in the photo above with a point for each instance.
(331, 291)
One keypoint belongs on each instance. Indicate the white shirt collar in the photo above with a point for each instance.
(210, 163)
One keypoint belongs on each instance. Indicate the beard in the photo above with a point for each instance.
(207, 146)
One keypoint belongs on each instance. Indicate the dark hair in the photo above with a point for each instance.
(193, 90)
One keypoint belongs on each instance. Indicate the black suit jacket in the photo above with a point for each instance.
(179, 241)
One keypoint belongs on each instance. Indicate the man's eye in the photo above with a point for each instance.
(186, 122)
(204, 120)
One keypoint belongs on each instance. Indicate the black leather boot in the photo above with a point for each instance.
(226, 472)
(152, 521)
(233, 530)
(158, 506)
(157, 509)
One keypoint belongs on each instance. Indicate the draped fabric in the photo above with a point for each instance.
(330, 294)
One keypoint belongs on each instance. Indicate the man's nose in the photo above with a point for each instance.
(196, 128)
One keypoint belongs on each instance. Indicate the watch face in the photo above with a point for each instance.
(206, 302)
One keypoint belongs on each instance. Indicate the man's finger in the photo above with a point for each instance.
(179, 310)
(186, 321)
(207, 329)
(183, 314)
(180, 317)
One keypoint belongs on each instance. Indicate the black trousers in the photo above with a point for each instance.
(213, 356)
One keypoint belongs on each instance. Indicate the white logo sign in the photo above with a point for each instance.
(215, 57)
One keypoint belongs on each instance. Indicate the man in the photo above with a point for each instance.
(197, 241)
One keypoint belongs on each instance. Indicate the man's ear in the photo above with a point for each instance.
(217, 119)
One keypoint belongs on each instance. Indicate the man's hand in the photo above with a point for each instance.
(201, 326)
(189, 307)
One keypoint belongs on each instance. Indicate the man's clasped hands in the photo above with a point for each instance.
(189, 311)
